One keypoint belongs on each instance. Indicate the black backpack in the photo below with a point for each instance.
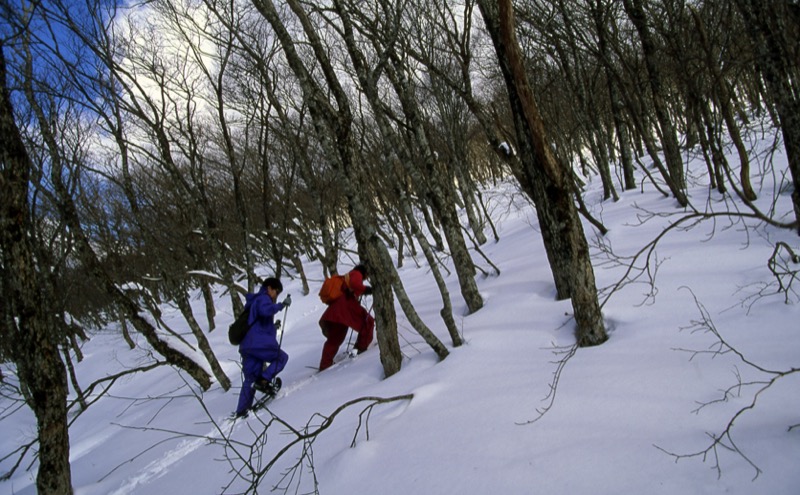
(239, 328)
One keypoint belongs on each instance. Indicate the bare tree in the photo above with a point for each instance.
(773, 31)
(601, 13)
(551, 182)
(334, 128)
(369, 81)
(564, 30)
(432, 178)
(30, 333)
(32, 327)
(672, 155)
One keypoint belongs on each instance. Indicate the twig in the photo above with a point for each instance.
(724, 439)
(566, 354)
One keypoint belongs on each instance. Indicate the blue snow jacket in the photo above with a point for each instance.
(262, 333)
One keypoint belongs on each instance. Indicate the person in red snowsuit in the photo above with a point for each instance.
(347, 312)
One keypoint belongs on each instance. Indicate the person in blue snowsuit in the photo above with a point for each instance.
(260, 344)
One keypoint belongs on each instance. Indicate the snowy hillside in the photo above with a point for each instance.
(617, 413)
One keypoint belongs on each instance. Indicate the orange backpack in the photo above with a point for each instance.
(333, 288)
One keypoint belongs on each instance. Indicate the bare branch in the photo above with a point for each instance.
(566, 354)
(723, 441)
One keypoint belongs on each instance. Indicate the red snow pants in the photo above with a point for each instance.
(334, 323)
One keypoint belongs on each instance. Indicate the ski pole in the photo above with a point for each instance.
(283, 324)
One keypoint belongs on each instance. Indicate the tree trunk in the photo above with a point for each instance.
(711, 146)
(34, 334)
(724, 101)
(211, 310)
(447, 308)
(588, 115)
(556, 204)
(182, 300)
(769, 28)
(533, 188)
(669, 138)
(334, 128)
(370, 88)
(438, 188)
(599, 16)
(467, 189)
(126, 335)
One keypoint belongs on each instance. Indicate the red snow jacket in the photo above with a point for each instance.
(347, 310)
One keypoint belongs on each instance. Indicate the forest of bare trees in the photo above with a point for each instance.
(157, 149)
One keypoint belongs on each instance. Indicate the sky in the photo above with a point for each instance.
(513, 410)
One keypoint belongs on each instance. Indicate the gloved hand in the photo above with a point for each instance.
(367, 290)
(288, 301)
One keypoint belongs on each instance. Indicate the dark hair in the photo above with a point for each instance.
(363, 269)
(273, 282)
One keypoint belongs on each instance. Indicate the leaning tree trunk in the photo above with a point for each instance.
(211, 309)
(469, 192)
(182, 300)
(369, 84)
(68, 212)
(30, 334)
(669, 138)
(447, 307)
(438, 187)
(540, 165)
(556, 259)
(334, 128)
(769, 26)
(724, 100)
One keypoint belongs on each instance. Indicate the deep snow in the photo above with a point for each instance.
(619, 409)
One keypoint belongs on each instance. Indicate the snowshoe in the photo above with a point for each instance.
(270, 390)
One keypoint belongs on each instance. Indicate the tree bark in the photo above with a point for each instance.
(438, 189)
(447, 307)
(182, 300)
(669, 138)
(769, 28)
(34, 337)
(600, 16)
(334, 128)
(371, 90)
(554, 196)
